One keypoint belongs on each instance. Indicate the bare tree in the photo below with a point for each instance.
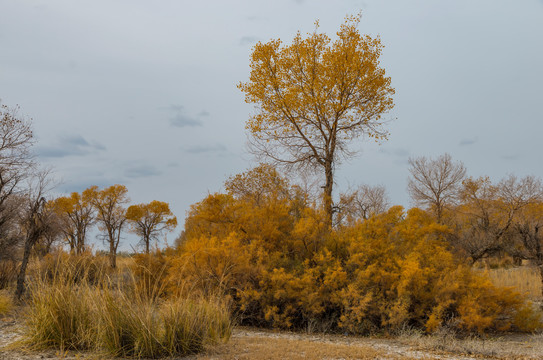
(488, 213)
(362, 203)
(35, 221)
(16, 162)
(528, 235)
(434, 183)
(52, 236)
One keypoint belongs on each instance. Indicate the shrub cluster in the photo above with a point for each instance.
(272, 253)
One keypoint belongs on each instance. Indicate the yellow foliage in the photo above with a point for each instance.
(76, 215)
(316, 95)
(277, 260)
(150, 220)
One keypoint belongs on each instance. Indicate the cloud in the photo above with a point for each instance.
(398, 152)
(200, 149)
(510, 157)
(79, 186)
(257, 18)
(180, 119)
(398, 155)
(140, 171)
(248, 40)
(465, 142)
(70, 145)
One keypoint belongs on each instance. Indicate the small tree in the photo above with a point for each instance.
(150, 220)
(110, 215)
(314, 97)
(435, 183)
(77, 215)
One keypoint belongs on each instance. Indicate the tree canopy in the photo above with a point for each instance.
(314, 97)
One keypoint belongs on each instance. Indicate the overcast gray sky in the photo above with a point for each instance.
(143, 93)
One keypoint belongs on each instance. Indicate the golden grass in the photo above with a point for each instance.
(75, 305)
(524, 279)
(6, 303)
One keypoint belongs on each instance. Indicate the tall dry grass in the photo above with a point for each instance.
(6, 303)
(524, 279)
(77, 304)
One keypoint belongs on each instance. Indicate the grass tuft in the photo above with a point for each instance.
(6, 304)
(72, 310)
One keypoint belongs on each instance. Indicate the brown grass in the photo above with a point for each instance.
(6, 303)
(256, 348)
(75, 305)
(525, 279)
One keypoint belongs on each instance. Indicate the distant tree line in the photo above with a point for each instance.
(33, 222)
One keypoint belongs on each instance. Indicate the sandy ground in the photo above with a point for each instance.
(249, 343)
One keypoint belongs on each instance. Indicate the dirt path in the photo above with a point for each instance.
(248, 343)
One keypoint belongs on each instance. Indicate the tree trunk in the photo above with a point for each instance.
(112, 255)
(541, 274)
(29, 243)
(327, 196)
(439, 211)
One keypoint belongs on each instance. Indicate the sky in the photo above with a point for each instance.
(143, 93)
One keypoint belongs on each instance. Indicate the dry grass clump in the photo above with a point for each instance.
(8, 272)
(84, 268)
(525, 280)
(72, 309)
(141, 328)
(6, 304)
(61, 315)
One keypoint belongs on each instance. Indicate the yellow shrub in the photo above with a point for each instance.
(279, 263)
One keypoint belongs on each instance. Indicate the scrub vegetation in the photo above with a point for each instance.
(270, 251)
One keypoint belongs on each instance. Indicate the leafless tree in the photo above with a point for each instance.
(486, 218)
(52, 236)
(35, 221)
(362, 203)
(528, 233)
(16, 163)
(434, 183)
